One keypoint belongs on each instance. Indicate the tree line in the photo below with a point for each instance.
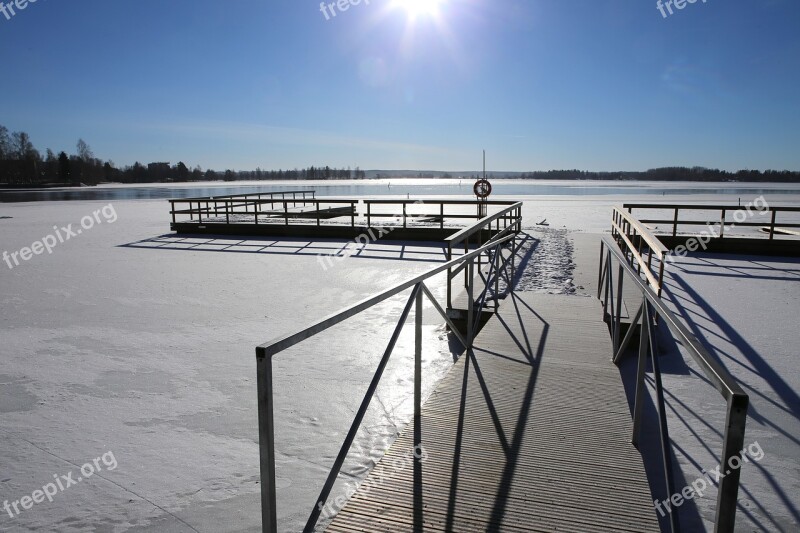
(22, 165)
(668, 174)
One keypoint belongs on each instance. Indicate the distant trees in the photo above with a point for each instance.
(21, 164)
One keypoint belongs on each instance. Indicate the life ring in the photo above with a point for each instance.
(482, 189)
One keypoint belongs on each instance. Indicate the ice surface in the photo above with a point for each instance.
(128, 340)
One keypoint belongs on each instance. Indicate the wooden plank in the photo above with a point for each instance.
(531, 432)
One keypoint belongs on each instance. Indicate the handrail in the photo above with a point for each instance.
(723, 209)
(703, 207)
(266, 351)
(633, 234)
(459, 236)
(652, 308)
(652, 241)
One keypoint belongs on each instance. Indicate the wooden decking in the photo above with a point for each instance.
(530, 432)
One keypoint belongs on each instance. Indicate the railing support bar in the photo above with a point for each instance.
(618, 313)
(628, 336)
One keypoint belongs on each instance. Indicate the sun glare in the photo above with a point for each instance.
(416, 8)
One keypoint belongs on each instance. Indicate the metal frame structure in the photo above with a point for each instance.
(498, 266)
(271, 206)
(650, 310)
(511, 219)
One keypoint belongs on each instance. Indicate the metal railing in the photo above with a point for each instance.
(675, 221)
(639, 246)
(260, 207)
(650, 309)
(264, 354)
(235, 204)
(511, 219)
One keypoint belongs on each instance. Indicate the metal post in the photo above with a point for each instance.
(601, 267)
(512, 259)
(266, 444)
(675, 223)
(286, 210)
(369, 216)
(480, 243)
(441, 215)
(618, 313)
(772, 224)
(470, 300)
(722, 225)
(466, 271)
(497, 277)
(638, 405)
(449, 276)
(404, 214)
(729, 485)
(607, 285)
(418, 366)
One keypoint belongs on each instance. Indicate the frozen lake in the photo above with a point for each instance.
(148, 353)
(403, 187)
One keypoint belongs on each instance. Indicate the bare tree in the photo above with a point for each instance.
(84, 152)
(5, 144)
(23, 147)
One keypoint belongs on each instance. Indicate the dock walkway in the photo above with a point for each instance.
(529, 432)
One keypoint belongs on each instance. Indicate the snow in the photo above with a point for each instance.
(150, 353)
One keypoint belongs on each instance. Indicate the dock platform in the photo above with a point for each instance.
(530, 431)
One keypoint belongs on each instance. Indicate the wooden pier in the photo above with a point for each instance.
(530, 431)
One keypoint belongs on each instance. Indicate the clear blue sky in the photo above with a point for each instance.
(540, 84)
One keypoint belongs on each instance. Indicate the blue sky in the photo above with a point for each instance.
(540, 84)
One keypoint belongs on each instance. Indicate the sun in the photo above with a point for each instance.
(416, 8)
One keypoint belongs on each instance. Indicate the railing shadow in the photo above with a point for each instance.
(329, 250)
(743, 357)
(510, 438)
